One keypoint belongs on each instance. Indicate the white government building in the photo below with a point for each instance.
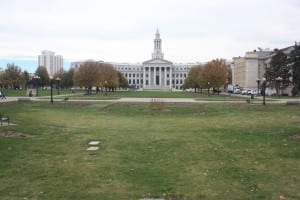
(154, 74)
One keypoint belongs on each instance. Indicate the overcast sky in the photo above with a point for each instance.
(123, 30)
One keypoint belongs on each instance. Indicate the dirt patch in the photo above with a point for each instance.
(13, 134)
(295, 137)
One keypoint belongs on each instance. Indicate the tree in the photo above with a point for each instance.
(12, 76)
(295, 68)
(88, 75)
(123, 82)
(111, 77)
(215, 74)
(42, 72)
(278, 68)
(25, 79)
(67, 78)
(193, 79)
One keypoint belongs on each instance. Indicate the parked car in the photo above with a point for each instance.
(237, 91)
(244, 92)
(254, 92)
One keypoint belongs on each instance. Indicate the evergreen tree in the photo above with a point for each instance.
(279, 67)
(43, 75)
(295, 68)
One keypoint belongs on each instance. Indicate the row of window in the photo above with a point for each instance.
(137, 69)
(137, 75)
(137, 81)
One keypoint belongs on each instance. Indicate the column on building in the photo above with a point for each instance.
(160, 79)
(149, 76)
(165, 70)
(144, 76)
(154, 80)
(171, 77)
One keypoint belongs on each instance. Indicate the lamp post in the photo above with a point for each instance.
(264, 90)
(51, 89)
(208, 83)
(105, 83)
(57, 84)
(278, 80)
(36, 78)
(258, 82)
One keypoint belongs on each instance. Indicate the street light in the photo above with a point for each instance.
(208, 83)
(264, 90)
(258, 82)
(278, 80)
(105, 87)
(36, 78)
(51, 89)
(57, 84)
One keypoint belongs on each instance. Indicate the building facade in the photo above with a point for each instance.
(246, 70)
(250, 68)
(53, 63)
(154, 74)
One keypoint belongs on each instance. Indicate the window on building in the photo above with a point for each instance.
(176, 81)
(133, 81)
(137, 81)
(133, 75)
(181, 75)
(147, 82)
(180, 81)
(126, 75)
(129, 75)
(129, 81)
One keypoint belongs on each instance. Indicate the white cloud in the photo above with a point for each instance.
(117, 30)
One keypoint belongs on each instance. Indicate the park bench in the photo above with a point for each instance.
(4, 119)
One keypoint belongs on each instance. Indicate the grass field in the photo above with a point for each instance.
(155, 150)
(119, 94)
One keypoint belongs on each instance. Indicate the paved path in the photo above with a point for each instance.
(170, 100)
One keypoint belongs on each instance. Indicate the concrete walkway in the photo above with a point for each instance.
(146, 100)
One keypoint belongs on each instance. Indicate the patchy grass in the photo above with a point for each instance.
(174, 151)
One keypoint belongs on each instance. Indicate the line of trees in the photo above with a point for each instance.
(99, 75)
(214, 74)
(287, 67)
(13, 77)
(90, 74)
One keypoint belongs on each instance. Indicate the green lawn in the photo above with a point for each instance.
(156, 150)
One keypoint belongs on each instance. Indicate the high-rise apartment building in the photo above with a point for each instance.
(53, 63)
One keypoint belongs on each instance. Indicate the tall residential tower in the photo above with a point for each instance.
(53, 63)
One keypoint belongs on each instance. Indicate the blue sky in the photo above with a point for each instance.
(123, 31)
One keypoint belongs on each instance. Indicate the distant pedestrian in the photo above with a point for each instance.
(3, 95)
(30, 93)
